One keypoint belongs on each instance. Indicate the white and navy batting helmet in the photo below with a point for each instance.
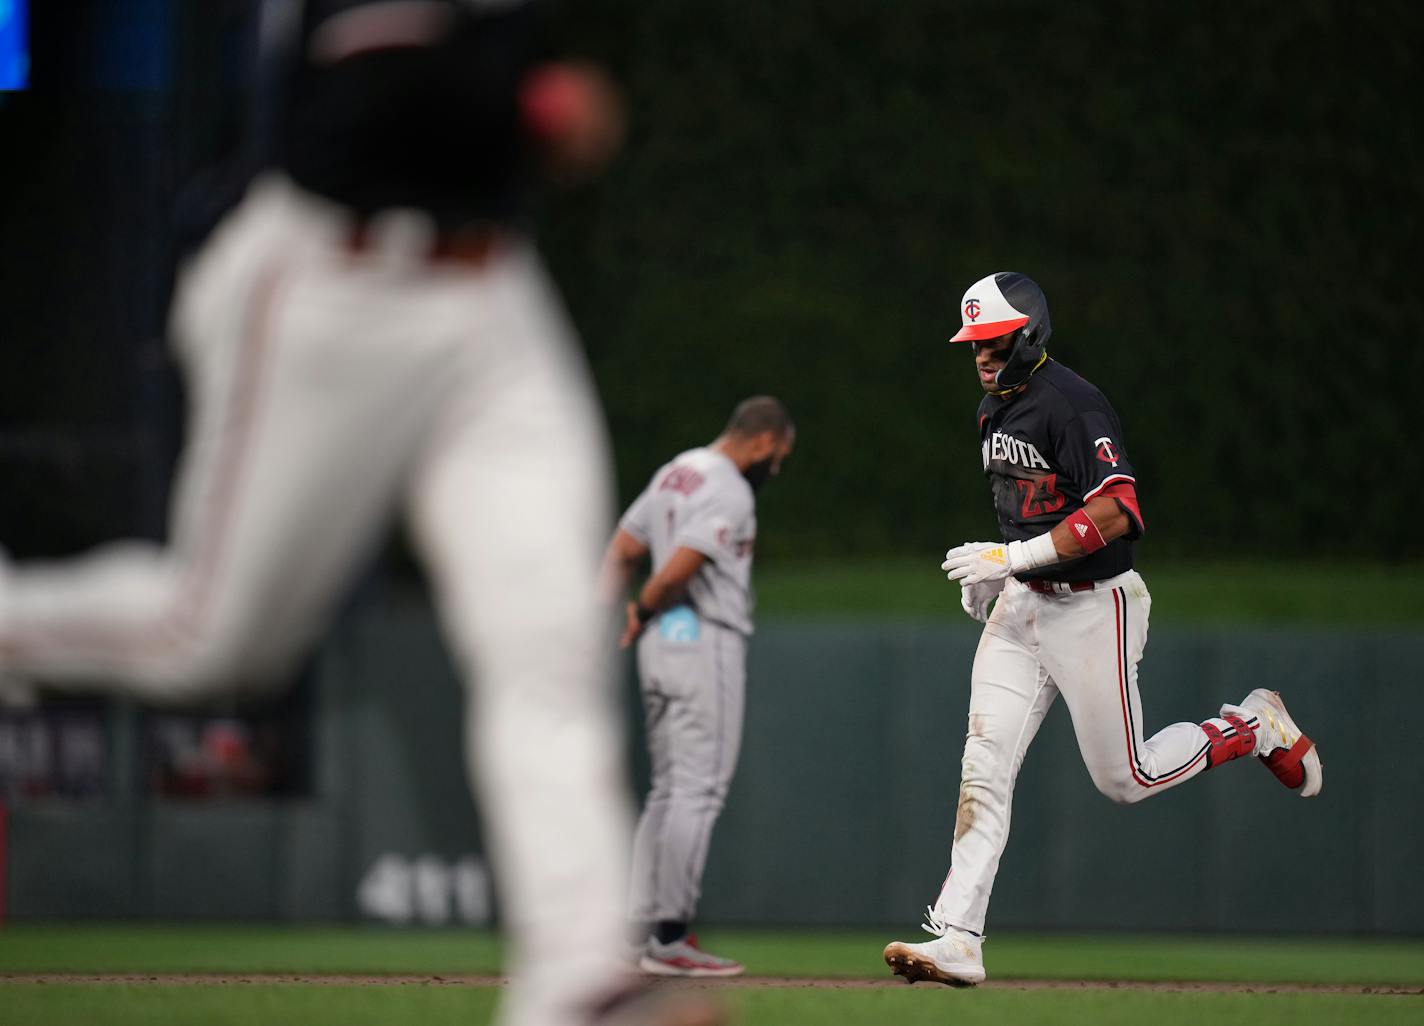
(1005, 302)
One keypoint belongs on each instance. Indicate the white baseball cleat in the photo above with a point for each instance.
(955, 959)
(684, 958)
(1287, 752)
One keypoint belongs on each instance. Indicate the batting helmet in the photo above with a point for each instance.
(1005, 302)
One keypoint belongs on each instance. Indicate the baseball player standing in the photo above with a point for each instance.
(691, 620)
(1070, 618)
(371, 332)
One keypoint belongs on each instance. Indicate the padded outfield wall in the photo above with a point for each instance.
(842, 811)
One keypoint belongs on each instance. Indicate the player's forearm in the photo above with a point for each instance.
(621, 560)
(670, 583)
(1073, 539)
(1083, 532)
(661, 591)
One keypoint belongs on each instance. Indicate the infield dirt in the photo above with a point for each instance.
(763, 982)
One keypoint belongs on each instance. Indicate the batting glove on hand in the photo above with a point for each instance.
(975, 598)
(977, 563)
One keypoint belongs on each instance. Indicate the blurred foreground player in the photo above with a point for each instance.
(370, 332)
(1069, 616)
(697, 521)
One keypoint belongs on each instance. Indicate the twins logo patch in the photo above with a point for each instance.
(1106, 452)
(972, 309)
(679, 623)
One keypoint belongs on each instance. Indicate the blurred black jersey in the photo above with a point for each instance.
(1048, 450)
(411, 103)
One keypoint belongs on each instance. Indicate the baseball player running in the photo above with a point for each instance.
(1069, 616)
(691, 620)
(370, 332)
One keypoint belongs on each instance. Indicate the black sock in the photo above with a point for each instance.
(669, 930)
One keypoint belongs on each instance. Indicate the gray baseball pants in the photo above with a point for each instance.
(694, 687)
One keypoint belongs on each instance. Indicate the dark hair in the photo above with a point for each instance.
(757, 414)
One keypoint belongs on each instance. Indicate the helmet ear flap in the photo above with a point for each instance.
(1024, 355)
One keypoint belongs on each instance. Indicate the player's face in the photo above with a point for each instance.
(776, 448)
(990, 357)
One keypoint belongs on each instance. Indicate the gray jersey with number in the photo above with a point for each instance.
(701, 501)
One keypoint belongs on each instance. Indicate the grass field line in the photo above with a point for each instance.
(754, 982)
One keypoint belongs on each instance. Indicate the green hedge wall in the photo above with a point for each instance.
(1217, 198)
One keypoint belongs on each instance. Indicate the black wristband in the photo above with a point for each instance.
(643, 613)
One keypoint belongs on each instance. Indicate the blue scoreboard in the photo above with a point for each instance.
(14, 45)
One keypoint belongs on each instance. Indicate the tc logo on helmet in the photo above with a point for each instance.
(971, 309)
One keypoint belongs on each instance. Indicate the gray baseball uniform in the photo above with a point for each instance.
(692, 664)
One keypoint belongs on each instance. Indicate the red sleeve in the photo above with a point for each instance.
(1126, 496)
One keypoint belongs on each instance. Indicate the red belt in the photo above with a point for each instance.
(1058, 587)
(472, 246)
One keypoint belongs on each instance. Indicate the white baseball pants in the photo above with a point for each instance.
(1085, 645)
(329, 389)
(694, 695)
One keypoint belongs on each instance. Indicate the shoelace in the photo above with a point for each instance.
(933, 923)
(936, 925)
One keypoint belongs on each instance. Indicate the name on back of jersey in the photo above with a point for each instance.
(683, 480)
(1002, 448)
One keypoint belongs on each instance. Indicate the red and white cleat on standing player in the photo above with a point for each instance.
(1287, 752)
(683, 957)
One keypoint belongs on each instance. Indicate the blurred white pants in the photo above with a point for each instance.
(330, 389)
(1085, 645)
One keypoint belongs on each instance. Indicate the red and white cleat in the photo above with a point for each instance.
(684, 958)
(1287, 752)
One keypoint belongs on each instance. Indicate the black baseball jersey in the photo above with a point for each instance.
(412, 104)
(1047, 451)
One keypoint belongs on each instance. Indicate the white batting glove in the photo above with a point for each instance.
(968, 548)
(975, 598)
(978, 562)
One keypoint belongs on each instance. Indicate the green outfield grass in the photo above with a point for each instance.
(255, 950)
(245, 949)
(1316, 594)
(250, 1005)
